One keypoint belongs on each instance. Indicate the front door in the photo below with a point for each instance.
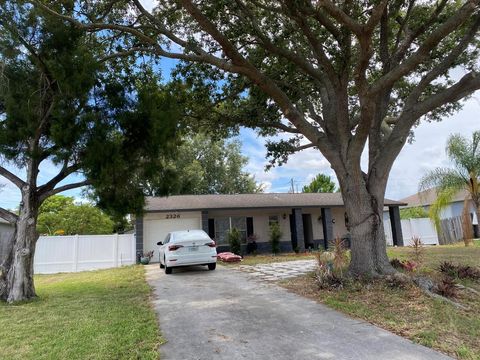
(307, 230)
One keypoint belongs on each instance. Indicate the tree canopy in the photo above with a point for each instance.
(62, 103)
(320, 184)
(341, 77)
(203, 165)
(59, 215)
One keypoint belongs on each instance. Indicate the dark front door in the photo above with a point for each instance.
(307, 230)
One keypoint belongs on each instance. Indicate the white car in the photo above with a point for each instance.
(187, 247)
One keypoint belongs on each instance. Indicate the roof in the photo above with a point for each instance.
(3, 221)
(247, 201)
(428, 197)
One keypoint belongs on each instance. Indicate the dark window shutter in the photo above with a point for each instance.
(249, 226)
(211, 228)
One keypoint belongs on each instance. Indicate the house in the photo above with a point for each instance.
(307, 220)
(454, 209)
(6, 230)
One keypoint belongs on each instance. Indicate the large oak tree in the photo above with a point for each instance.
(343, 77)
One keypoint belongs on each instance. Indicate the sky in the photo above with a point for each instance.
(426, 153)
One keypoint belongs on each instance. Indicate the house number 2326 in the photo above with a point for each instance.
(172, 216)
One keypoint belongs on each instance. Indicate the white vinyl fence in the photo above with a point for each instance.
(422, 228)
(55, 254)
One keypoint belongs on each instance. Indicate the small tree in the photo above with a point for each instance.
(320, 184)
(275, 236)
(416, 212)
(234, 240)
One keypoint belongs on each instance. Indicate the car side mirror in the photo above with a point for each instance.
(159, 243)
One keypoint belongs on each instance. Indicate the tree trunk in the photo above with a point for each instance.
(364, 208)
(19, 278)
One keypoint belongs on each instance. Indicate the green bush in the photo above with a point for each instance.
(275, 236)
(234, 240)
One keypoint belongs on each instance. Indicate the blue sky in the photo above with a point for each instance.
(426, 153)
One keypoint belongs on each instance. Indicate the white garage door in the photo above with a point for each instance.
(156, 230)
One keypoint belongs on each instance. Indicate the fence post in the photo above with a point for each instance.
(75, 253)
(115, 250)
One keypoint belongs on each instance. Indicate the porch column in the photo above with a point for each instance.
(139, 237)
(396, 224)
(298, 238)
(327, 225)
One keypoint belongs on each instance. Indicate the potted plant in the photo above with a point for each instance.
(145, 258)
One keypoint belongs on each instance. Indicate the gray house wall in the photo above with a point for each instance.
(5, 232)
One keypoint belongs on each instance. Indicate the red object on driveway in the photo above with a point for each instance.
(229, 257)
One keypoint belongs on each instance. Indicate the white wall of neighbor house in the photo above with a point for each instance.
(156, 226)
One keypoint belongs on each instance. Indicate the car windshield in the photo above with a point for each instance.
(189, 235)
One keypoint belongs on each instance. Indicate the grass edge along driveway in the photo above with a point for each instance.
(104, 314)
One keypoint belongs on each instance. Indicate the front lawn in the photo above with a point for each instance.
(102, 314)
(408, 311)
(267, 259)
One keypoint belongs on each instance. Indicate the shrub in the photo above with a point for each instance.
(397, 264)
(418, 249)
(275, 236)
(328, 279)
(404, 265)
(447, 288)
(459, 271)
(234, 240)
(340, 254)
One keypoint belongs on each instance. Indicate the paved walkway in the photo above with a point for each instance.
(227, 314)
(280, 270)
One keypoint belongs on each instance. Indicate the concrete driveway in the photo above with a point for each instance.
(227, 314)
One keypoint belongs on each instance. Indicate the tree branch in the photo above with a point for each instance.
(423, 51)
(63, 188)
(63, 173)
(335, 12)
(12, 178)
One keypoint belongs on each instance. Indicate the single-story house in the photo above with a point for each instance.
(453, 209)
(307, 220)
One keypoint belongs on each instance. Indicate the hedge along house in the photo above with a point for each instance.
(307, 220)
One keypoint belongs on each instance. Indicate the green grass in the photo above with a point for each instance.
(102, 314)
(408, 311)
(266, 259)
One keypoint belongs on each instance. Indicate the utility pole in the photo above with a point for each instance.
(292, 188)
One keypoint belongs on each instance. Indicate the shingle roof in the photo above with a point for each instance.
(245, 201)
(428, 197)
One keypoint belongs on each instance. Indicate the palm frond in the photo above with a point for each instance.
(444, 198)
(443, 179)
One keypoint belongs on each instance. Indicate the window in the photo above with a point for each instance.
(272, 220)
(224, 224)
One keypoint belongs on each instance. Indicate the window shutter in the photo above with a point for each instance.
(249, 226)
(211, 228)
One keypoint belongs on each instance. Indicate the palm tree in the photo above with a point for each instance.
(465, 174)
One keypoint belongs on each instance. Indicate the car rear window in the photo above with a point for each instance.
(191, 235)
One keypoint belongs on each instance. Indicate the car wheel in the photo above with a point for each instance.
(161, 266)
(168, 270)
(212, 266)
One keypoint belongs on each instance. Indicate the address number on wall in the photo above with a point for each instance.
(172, 216)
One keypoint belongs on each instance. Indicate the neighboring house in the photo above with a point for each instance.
(305, 219)
(455, 208)
(5, 231)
